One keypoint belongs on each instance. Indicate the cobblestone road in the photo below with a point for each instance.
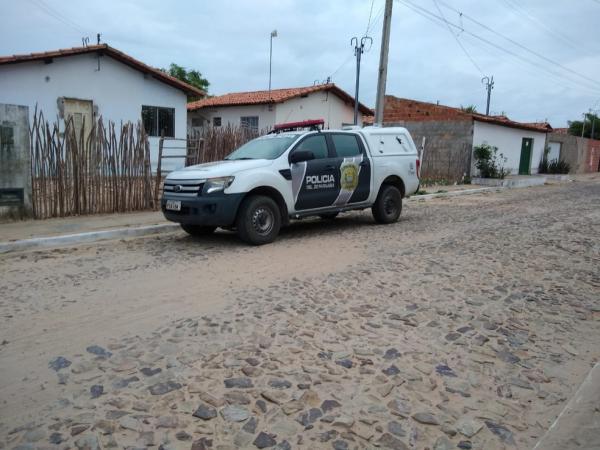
(468, 324)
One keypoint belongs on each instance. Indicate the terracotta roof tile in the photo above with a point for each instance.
(113, 53)
(274, 96)
(402, 109)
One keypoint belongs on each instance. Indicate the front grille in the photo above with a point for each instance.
(183, 188)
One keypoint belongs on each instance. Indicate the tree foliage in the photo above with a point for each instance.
(489, 162)
(468, 108)
(192, 77)
(575, 126)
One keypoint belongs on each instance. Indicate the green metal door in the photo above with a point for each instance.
(525, 163)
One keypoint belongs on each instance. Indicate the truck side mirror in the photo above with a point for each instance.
(301, 155)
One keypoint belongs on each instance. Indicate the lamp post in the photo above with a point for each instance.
(273, 34)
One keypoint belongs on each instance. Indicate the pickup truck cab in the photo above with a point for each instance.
(283, 176)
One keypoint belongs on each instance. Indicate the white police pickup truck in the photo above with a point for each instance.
(282, 176)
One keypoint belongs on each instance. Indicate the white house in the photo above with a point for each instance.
(522, 144)
(86, 82)
(261, 110)
(450, 135)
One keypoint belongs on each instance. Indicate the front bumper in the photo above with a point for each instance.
(217, 210)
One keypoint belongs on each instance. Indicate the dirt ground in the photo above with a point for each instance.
(468, 324)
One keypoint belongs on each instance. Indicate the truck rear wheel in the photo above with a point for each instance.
(259, 220)
(197, 230)
(388, 206)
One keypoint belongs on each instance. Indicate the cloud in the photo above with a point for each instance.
(228, 41)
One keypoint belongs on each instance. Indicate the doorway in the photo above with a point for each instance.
(81, 111)
(525, 162)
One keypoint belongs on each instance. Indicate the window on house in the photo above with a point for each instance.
(158, 120)
(250, 122)
(197, 122)
(216, 121)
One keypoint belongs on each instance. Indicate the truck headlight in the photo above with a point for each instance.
(217, 184)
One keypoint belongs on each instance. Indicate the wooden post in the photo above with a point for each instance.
(158, 168)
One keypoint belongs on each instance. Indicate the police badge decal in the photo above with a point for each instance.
(349, 176)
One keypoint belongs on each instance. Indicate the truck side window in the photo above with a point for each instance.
(346, 145)
(316, 144)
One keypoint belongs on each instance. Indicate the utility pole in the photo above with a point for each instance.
(383, 62)
(273, 34)
(358, 51)
(583, 125)
(593, 116)
(489, 85)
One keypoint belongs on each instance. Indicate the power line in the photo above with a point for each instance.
(57, 15)
(370, 24)
(456, 39)
(521, 46)
(369, 21)
(519, 10)
(478, 41)
(432, 16)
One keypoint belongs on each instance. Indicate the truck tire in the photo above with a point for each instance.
(197, 230)
(329, 216)
(388, 206)
(258, 220)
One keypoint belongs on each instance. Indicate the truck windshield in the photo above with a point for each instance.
(266, 147)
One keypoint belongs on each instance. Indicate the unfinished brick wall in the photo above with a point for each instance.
(582, 154)
(448, 136)
(448, 147)
(593, 155)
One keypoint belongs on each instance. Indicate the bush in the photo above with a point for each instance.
(554, 166)
(558, 166)
(489, 163)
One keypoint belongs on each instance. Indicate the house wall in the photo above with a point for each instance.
(317, 105)
(448, 146)
(509, 141)
(117, 91)
(582, 154)
(15, 162)
(232, 115)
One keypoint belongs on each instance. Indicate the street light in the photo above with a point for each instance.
(273, 34)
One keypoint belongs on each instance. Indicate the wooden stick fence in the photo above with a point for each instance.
(209, 144)
(89, 169)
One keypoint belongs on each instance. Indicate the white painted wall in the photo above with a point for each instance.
(318, 105)
(233, 114)
(118, 91)
(554, 152)
(509, 141)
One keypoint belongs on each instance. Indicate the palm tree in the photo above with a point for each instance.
(469, 108)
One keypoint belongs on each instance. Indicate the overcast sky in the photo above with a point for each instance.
(228, 41)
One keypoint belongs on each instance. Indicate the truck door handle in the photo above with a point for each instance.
(329, 168)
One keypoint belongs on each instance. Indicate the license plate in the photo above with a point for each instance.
(173, 205)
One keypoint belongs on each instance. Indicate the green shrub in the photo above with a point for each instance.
(558, 166)
(489, 162)
(543, 167)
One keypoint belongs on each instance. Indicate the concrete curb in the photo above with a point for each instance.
(578, 424)
(81, 238)
(416, 198)
(93, 236)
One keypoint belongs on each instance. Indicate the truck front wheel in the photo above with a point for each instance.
(388, 206)
(258, 220)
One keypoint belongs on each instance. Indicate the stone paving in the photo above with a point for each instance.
(469, 326)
